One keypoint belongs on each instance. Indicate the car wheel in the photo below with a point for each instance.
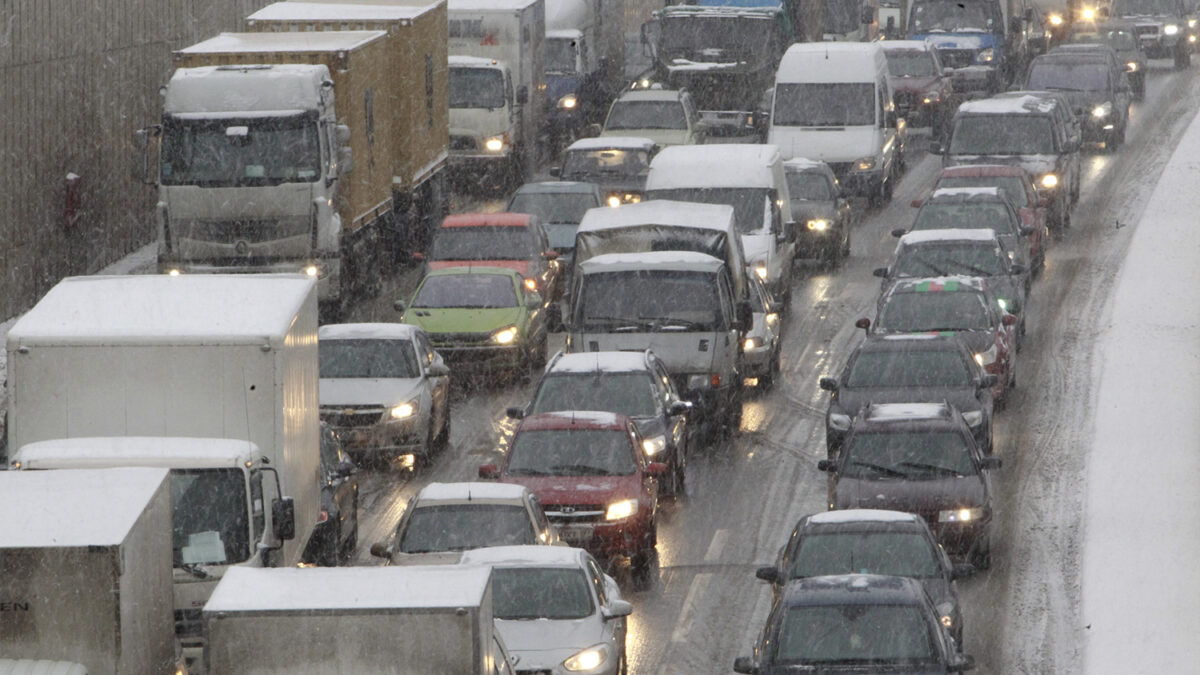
(442, 442)
(981, 554)
(641, 568)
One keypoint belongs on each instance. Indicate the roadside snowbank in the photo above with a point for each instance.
(1140, 582)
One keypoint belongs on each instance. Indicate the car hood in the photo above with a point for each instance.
(803, 209)
(556, 490)
(368, 391)
(850, 401)
(521, 266)
(1034, 165)
(529, 640)
(913, 84)
(462, 319)
(909, 495)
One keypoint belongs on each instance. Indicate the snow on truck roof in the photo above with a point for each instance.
(303, 10)
(659, 212)
(167, 452)
(156, 308)
(528, 555)
(612, 143)
(721, 165)
(367, 331)
(307, 41)
(244, 589)
(607, 362)
(74, 508)
(858, 516)
(469, 490)
(831, 62)
(239, 91)
(658, 260)
(950, 234)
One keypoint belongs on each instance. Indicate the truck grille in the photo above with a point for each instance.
(463, 143)
(905, 100)
(1146, 31)
(250, 231)
(189, 622)
(351, 417)
(956, 58)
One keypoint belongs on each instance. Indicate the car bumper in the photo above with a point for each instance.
(606, 539)
(481, 358)
(958, 538)
(757, 361)
(398, 436)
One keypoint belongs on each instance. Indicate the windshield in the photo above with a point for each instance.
(910, 63)
(478, 291)
(1013, 186)
(1069, 76)
(572, 452)
(842, 16)
(560, 55)
(520, 593)
(582, 163)
(630, 394)
(1143, 7)
(227, 152)
(912, 455)
(1003, 135)
(210, 525)
(749, 204)
(646, 115)
(458, 527)
(963, 215)
(483, 243)
(838, 104)
(969, 259)
(650, 301)
(476, 88)
(854, 634)
(712, 35)
(561, 235)
(903, 554)
(933, 312)
(554, 207)
(940, 369)
(367, 358)
(953, 17)
(809, 186)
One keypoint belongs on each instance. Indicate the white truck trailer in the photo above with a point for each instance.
(422, 620)
(198, 360)
(85, 571)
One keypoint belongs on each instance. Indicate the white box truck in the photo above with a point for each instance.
(421, 620)
(85, 571)
(202, 357)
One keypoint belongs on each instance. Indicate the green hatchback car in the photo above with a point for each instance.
(480, 319)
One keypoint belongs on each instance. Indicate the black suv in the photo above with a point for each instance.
(1095, 84)
(865, 623)
(919, 458)
(1161, 26)
(634, 384)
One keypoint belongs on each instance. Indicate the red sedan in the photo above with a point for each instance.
(1018, 186)
(513, 240)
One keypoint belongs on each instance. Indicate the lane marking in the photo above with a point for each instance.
(684, 624)
(716, 546)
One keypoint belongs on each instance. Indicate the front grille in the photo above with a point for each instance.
(956, 58)
(250, 231)
(350, 417)
(463, 143)
(189, 622)
(1146, 31)
(567, 514)
(904, 99)
(453, 339)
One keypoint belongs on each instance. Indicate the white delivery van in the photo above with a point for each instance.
(833, 103)
(748, 177)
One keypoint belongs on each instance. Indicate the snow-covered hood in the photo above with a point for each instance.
(680, 351)
(850, 400)
(530, 640)
(914, 84)
(478, 122)
(557, 490)
(911, 495)
(803, 210)
(831, 145)
(360, 391)
(758, 247)
(1034, 165)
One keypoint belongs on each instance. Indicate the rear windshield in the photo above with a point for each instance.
(483, 243)
(630, 394)
(1020, 134)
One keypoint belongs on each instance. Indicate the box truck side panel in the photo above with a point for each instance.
(298, 428)
(147, 604)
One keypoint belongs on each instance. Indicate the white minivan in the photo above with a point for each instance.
(832, 102)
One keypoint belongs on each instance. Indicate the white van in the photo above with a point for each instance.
(748, 177)
(832, 102)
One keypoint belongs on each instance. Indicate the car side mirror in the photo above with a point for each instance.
(679, 408)
(489, 471)
(345, 468)
(533, 300)
(744, 664)
(514, 412)
(935, 146)
(990, 463)
(555, 171)
(961, 571)
(437, 370)
(399, 306)
(550, 254)
(1008, 320)
(899, 232)
(380, 550)
(770, 574)
(880, 272)
(283, 518)
(826, 465)
(1026, 230)
(828, 383)
(864, 324)
(1016, 268)
(962, 663)
(745, 315)
(522, 95)
(916, 203)
(988, 380)
(658, 468)
(616, 609)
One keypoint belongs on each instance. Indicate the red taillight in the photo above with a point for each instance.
(323, 517)
(716, 380)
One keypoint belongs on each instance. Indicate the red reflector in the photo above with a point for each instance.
(716, 380)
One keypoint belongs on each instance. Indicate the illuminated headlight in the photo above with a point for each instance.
(494, 144)
(654, 445)
(945, 611)
(931, 98)
(588, 659)
(1003, 303)
(1048, 180)
(1089, 14)
(531, 284)
(312, 270)
(1191, 38)
(174, 272)
(986, 55)
(865, 164)
(1170, 29)
(1131, 67)
(761, 270)
(839, 421)
(404, 411)
(772, 318)
(614, 201)
(568, 102)
(1056, 20)
(753, 343)
(504, 336)
(962, 515)
(1191, 23)
(973, 418)
(698, 382)
(1102, 110)
(986, 358)
(818, 225)
(621, 510)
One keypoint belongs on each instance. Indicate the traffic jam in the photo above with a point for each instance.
(728, 350)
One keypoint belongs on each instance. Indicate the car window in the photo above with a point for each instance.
(1019, 134)
(905, 554)
(597, 579)
(1013, 186)
(647, 115)
(367, 358)
(458, 527)
(888, 455)
(857, 633)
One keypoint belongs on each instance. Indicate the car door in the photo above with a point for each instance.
(675, 424)
(547, 533)
(438, 387)
(613, 631)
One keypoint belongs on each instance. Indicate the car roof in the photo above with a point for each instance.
(524, 556)
(612, 143)
(967, 194)
(651, 95)
(661, 260)
(983, 170)
(600, 362)
(459, 270)
(948, 235)
(713, 166)
(557, 187)
(367, 331)
(574, 419)
(501, 219)
(947, 284)
(850, 517)
(852, 589)
(472, 490)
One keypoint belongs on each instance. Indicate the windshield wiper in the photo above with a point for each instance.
(528, 472)
(672, 322)
(943, 470)
(879, 468)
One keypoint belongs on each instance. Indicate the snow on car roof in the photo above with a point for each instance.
(74, 507)
(663, 260)
(303, 10)
(803, 164)
(472, 5)
(612, 142)
(308, 41)
(651, 95)
(154, 308)
(244, 589)
(659, 212)
(950, 234)
(901, 45)
(959, 192)
(100, 452)
(854, 516)
(522, 555)
(887, 412)
(719, 165)
(469, 491)
(367, 331)
(947, 283)
(590, 362)
(476, 61)
(1008, 105)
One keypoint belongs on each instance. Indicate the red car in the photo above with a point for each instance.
(1020, 190)
(513, 240)
(594, 480)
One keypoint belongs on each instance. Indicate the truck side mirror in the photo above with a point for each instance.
(142, 141)
(283, 518)
(522, 95)
(345, 161)
(828, 383)
(342, 134)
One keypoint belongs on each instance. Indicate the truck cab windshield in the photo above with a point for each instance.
(1144, 7)
(749, 204)
(210, 517)
(715, 36)
(247, 152)
(940, 16)
(650, 301)
(824, 104)
(561, 55)
(477, 88)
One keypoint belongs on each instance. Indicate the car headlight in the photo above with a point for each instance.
(945, 612)
(931, 97)
(700, 381)
(1102, 110)
(1049, 181)
(839, 422)
(531, 284)
(986, 358)
(818, 225)
(614, 201)
(968, 515)
(772, 318)
(621, 510)
(1056, 20)
(1170, 29)
(654, 445)
(1003, 303)
(494, 144)
(504, 336)
(1131, 67)
(404, 410)
(973, 418)
(568, 102)
(1191, 23)
(753, 343)
(986, 55)
(589, 659)
(761, 270)
(865, 164)
(1089, 14)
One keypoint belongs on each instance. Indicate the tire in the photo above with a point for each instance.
(641, 568)
(442, 440)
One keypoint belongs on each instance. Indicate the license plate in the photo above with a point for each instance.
(576, 534)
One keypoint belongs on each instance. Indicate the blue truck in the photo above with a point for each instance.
(985, 43)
